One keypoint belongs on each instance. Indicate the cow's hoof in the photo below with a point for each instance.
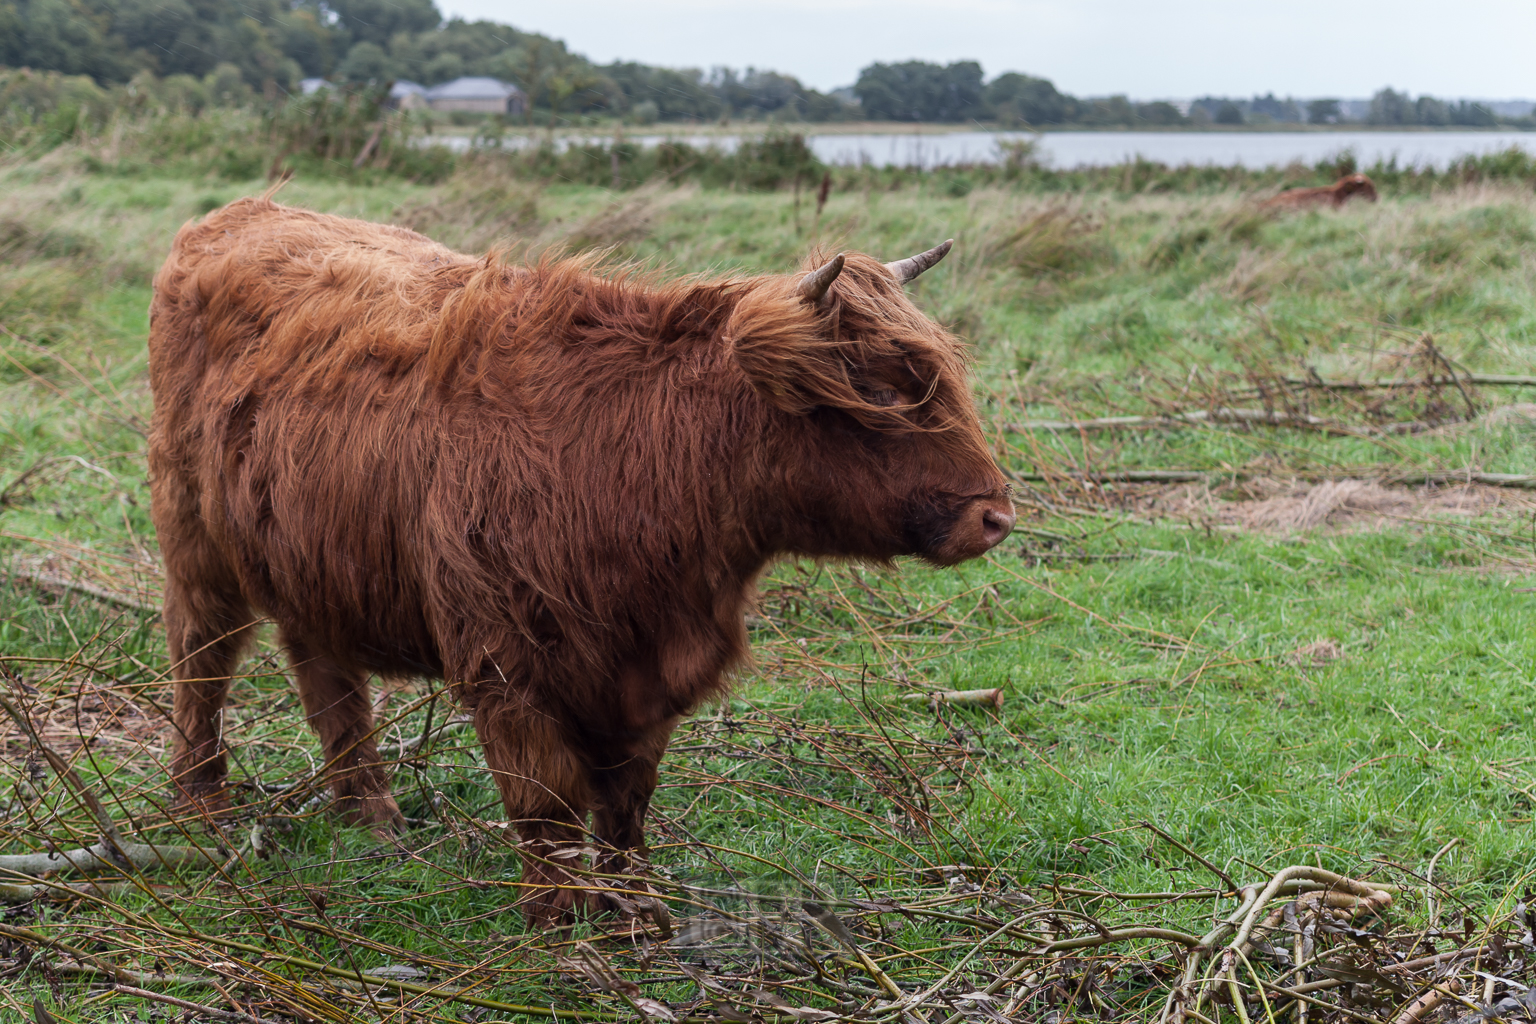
(548, 910)
(634, 900)
(205, 801)
(375, 811)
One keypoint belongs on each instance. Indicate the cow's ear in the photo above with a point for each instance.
(785, 346)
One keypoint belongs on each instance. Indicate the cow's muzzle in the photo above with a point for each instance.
(972, 529)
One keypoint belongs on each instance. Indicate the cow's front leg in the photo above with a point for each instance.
(544, 788)
(622, 785)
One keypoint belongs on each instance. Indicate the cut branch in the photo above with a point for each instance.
(1166, 476)
(973, 698)
(101, 857)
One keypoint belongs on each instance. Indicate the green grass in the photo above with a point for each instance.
(1150, 664)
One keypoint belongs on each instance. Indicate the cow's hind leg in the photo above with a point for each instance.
(208, 628)
(337, 705)
(544, 788)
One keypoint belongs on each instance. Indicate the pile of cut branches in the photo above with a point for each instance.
(113, 900)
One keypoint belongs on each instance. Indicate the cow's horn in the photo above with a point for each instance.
(813, 286)
(907, 269)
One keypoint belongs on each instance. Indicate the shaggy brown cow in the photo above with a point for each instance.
(1335, 195)
(551, 488)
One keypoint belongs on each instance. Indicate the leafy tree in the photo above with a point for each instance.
(459, 48)
(1219, 110)
(1324, 112)
(1390, 107)
(378, 21)
(919, 91)
(225, 86)
(367, 62)
(1159, 113)
(72, 37)
(249, 45)
(678, 94)
(1013, 97)
(755, 93)
(309, 43)
(1105, 110)
(111, 40)
(1475, 115)
(1430, 111)
(445, 67)
(1268, 106)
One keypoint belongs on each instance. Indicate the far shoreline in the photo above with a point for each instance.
(667, 128)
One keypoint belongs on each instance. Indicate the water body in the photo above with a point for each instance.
(1066, 150)
(1096, 149)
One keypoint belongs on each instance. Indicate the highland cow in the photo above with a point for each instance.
(551, 486)
(1335, 195)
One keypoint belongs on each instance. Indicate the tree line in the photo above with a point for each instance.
(218, 51)
(271, 45)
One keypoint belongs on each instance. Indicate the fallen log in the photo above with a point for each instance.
(101, 857)
(25, 892)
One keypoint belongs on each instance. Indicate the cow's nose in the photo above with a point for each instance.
(996, 524)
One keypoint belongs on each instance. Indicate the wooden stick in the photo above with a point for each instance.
(1127, 476)
(1165, 476)
(977, 698)
(1265, 416)
(1427, 1001)
(368, 147)
(1481, 379)
(833, 926)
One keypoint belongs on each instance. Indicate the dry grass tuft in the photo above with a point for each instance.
(1331, 502)
(1316, 654)
(628, 218)
(1269, 505)
(1061, 239)
(477, 209)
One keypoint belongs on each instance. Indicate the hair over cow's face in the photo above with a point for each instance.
(874, 413)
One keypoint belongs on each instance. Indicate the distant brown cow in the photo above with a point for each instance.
(1335, 195)
(551, 488)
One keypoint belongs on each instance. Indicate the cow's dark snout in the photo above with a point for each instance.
(996, 525)
(970, 531)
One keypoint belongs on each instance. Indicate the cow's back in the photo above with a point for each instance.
(291, 446)
(253, 266)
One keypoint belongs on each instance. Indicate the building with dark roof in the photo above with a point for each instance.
(478, 95)
(407, 95)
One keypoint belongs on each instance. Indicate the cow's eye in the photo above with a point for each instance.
(885, 397)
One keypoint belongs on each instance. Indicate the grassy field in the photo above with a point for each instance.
(1312, 649)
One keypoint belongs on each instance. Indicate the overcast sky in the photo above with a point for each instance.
(1148, 50)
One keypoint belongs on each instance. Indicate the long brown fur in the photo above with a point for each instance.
(550, 486)
(1354, 186)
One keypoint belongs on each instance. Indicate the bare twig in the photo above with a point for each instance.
(211, 1011)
